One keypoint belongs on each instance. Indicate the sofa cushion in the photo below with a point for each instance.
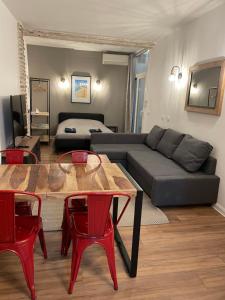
(154, 137)
(192, 153)
(154, 164)
(169, 142)
(167, 183)
(117, 151)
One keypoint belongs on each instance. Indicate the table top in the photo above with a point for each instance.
(65, 178)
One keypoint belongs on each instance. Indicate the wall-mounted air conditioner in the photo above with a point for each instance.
(115, 59)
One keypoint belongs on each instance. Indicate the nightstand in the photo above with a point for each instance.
(113, 128)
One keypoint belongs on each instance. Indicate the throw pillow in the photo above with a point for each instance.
(192, 153)
(169, 142)
(154, 137)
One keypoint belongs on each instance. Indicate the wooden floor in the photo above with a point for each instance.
(183, 260)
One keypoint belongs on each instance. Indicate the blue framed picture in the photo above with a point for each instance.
(81, 89)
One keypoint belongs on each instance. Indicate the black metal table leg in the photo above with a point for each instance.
(130, 263)
(115, 209)
(136, 233)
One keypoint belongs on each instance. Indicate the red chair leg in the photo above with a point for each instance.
(65, 229)
(78, 205)
(108, 245)
(67, 243)
(42, 242)
(26, 256)
(66, 238)
(78, 249)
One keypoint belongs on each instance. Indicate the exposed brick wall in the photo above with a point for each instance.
(23, 69)
(22, 61)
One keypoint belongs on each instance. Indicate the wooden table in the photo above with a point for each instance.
(63, 179)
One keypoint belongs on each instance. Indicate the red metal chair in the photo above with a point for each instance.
(18, 233)
(92, 227)
(77, 157)
(16, 156)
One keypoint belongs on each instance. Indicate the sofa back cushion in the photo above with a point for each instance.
(192, 153)
(169, 142)
(154, 137)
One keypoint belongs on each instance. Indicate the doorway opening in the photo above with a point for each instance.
(140, 69)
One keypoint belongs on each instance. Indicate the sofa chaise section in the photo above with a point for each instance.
(116, 145)
(152, 164)
(167, 184)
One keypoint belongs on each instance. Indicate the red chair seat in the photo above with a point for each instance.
(25, 227)
(18, 233)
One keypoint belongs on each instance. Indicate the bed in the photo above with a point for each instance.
(82, 122)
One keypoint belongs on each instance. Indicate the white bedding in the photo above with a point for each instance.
(82, 128)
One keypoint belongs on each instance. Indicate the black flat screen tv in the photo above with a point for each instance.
(18, 116)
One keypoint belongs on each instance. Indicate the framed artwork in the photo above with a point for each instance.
(212, 96)
(81, 89)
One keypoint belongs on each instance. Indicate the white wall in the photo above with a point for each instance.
(200, 40)
(9, 70)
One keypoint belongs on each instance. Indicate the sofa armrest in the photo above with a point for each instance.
(209, 166)
(118, 138)
(184, 190)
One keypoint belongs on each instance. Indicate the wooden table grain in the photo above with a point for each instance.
(64, 178)
(61, 179)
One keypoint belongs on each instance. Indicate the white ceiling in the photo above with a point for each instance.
(136, 20)
(30, 40)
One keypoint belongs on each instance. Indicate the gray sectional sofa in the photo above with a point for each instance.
(174, 169)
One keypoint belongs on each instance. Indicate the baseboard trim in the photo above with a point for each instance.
(218, 207)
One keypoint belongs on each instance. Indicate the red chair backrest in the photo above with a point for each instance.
(98, 210)
(79, 156)
(98, 213)
(7, 217)
(7, 214)
(16, 156)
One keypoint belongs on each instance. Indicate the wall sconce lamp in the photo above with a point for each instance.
(63, 83)
(175, 73)
(98, 85)
(195, 85)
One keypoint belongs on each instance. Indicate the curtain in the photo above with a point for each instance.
(129, 96)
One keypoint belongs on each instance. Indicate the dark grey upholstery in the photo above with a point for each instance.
(118, 138)
(71, 115)
(118, 151)
(169, 142)
(166, 182)
(191, 153)
(154, 137)
(209, 166)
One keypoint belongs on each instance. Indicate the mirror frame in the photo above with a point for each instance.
(220, 94)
